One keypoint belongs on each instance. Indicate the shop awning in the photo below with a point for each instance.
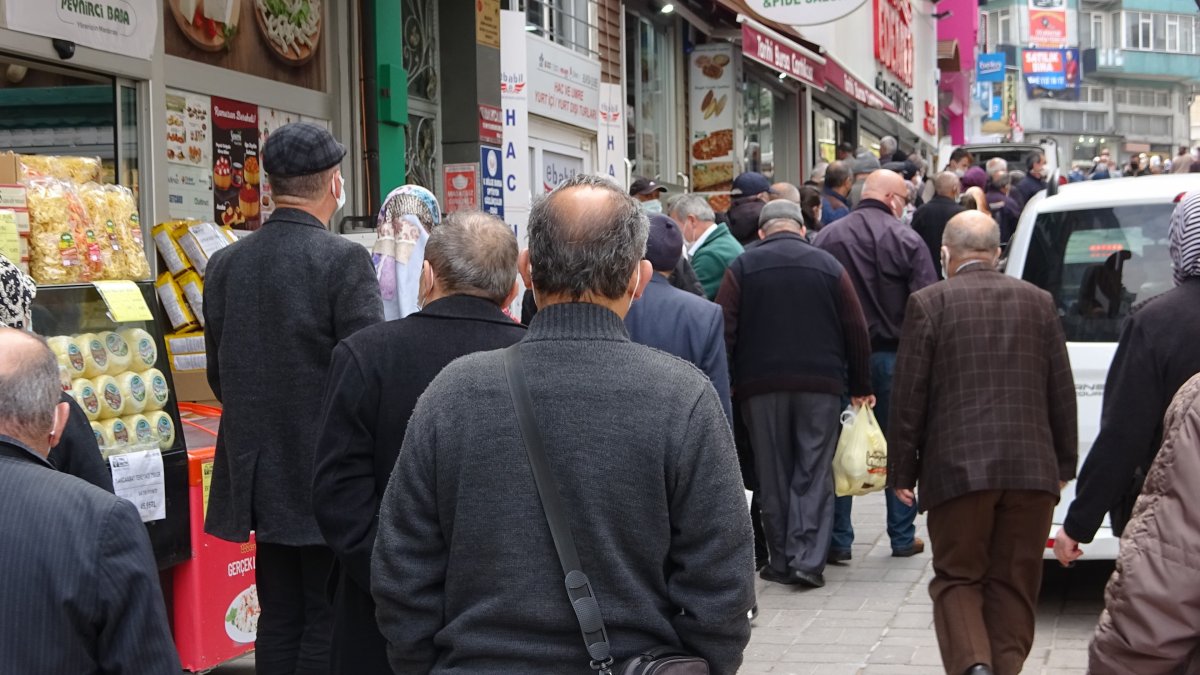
(743, 11)
(775, 51)
(840, 79)
(947, 56)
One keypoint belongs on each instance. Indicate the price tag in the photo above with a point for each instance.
(10, 240)
(125, 301)
(138, 477)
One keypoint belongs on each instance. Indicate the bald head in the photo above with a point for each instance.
(786, 191)
(888, 187)
(474, 253)
(29, 389)
(946, 184)
(971, 236)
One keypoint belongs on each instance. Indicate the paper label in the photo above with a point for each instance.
(138, 478)
(125, 302)
(206, 472)
(10, 239)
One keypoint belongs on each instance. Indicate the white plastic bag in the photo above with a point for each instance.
(860, 463)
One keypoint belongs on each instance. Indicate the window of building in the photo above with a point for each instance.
(1093, 94)
(650, 96)
(999, 29)
(1171, 33)
(1145, 98)
(1074, 121)
(1092, 31)
(573, 23)
(1145, 125)
(759, 104)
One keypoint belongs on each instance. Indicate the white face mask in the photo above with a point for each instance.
(652, 206)
(636, 284)
(339, 196)
(960, 172)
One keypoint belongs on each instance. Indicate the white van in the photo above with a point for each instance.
(1076, 244)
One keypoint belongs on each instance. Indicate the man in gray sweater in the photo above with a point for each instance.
(465, 574)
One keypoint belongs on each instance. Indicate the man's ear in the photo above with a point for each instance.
(525, 268)
(62, 411)
(647, 272)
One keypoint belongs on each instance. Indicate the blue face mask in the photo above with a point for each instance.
(652, 206)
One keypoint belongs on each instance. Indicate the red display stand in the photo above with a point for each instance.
(216, 600)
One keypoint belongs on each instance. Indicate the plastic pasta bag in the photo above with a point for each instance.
(860, 463)
(58, 235)
(113, 213)
(78, 170)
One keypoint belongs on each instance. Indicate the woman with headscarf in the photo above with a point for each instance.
(406, 218)
(77, 452)
(1157, 352)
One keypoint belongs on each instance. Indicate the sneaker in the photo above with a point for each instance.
(768, 574)
(918, 546)
(809, 579)
(837, 557)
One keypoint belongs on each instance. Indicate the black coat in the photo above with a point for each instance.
(77, 452)
(276, 303)
(930, 222)
(375, 379)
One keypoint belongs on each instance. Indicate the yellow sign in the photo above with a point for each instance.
(10, 240)
(125, 301)
(487, 23)
(206, 470)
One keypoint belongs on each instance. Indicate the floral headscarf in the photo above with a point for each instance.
(17, 292)
(1185, 237)
(406, 218)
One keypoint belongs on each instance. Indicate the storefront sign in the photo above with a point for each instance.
(782, 55)
(894, 38)
(491, 181)
(1048, 23)
(514, 99)
(236, 173)
(803, 12)
(563, 85)
(128, 27)
(990, 67)
(491, 125)
(1051, 73)
(712, 109)
(612, 133)
(461, 183)
(487, 23)
(895, 92)
(557, 167)
(838, 78)
(138, 478)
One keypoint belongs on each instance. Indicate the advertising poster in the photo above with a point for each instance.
(280, 41)
(269, 120)
(1051, 73)
(612, 133)
(1048, 23)
(491, 181)
(990, 67)
(189, 156)
(461, 183)
(712, 102)
(514, 99)
(235, 171)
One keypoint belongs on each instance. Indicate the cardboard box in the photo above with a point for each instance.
(10, 168)
(191, 386)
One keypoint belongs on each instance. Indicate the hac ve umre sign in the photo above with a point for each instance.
(803, 12)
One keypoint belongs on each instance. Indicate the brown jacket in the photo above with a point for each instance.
(983, 397)
(1151, 619)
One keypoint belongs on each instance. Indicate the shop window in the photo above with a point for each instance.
(650, 91)
(422, 134)
(826, 130)
(758, 151)
(573, 23)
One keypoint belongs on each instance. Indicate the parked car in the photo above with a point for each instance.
(1013, 153)
(1099, 248)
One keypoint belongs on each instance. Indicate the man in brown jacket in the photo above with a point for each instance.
(987, 427)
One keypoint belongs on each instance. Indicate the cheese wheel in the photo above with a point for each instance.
(141, 344)
(99, 432)
(64, 377)
(85, 394)
(120, 357)
(112, 403)
(114, 433)
(141, 431)
(157, 393)
(133, 389)
(164, 426)
(69, 354)
(95, 355)
(58, 345)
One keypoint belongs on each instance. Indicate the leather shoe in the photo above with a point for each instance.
(753, 613)
(837, 557)
(978, 669)
(769, 574)
(918, 546)
(809, 579)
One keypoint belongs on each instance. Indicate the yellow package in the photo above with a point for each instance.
(166, 240)
(200, 242)
(173, 303)
(59, 252)
(113, 212)
(66, 168)
(193, 291)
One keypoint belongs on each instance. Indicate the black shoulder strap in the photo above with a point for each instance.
(579, 589)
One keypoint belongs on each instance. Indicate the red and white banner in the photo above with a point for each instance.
(763, 45)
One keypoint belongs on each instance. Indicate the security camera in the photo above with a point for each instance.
(65, 48)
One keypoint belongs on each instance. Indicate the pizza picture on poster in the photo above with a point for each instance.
(237, 176)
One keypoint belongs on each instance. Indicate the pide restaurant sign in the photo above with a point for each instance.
(773, 53)
(127, 27)
(803, 12)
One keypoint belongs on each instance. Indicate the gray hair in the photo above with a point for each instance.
(996, 164)
(692, 205)
(574, 253)
(30, 389)
(947, 184)
(310, 187)
(971, 232)
(474, 253)
(887, 142)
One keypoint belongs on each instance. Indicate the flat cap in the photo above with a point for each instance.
(751, 183)
(780, 208)
(664, 246)
(301, 149)
(865, 163)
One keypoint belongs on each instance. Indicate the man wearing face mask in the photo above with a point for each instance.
(887, 261)
(648, 193)
(275, 305)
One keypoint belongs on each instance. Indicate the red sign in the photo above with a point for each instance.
(839, 79)
(461, 183)
(894, 38)
(491, 125)
(1048, 27)
(1038, 61)
(782, 55)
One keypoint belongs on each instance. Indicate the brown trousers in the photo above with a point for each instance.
(987, 562)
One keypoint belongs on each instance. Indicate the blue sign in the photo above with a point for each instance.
(990, 67)
(491, 180)
(996, 111)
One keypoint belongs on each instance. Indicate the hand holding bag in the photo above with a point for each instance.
(656, 661)
(860, 462)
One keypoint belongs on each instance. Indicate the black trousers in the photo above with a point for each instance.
(296, 620)
(741, 440)
(358, 646)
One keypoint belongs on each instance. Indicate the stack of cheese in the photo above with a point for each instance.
(114, 379)
(185, 247)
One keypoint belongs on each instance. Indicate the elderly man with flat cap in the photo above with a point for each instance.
(275, 305)
(794, 329)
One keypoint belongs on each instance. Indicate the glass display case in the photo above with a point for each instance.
(119, 375)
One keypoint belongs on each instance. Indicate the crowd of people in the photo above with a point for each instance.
(384, 414)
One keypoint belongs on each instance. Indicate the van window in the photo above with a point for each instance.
(1098, 263)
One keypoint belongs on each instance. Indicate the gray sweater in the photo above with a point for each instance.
(464, 572)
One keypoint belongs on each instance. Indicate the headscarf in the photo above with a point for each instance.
(1185, 238)
(17, 292)
(406, 218)
(974, 177)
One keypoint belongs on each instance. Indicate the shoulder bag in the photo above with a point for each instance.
(656, 661)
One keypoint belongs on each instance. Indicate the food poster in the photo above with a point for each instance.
(269, 120)
(189, 156)
(711, 108)
(280, 40)
(235, 170)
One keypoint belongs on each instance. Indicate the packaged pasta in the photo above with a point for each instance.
(166, 240)
(65, 168)
(174, 304)
(193, 291)
(113, 212)
(58, 222)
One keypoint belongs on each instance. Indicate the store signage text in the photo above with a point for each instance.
(125, 27)
(843, 81)
(491, 125)
(97, 10)
(896, 93)
(491, 181)
(782, 57)
(894, 38)
(803, 12)
(562, 84)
